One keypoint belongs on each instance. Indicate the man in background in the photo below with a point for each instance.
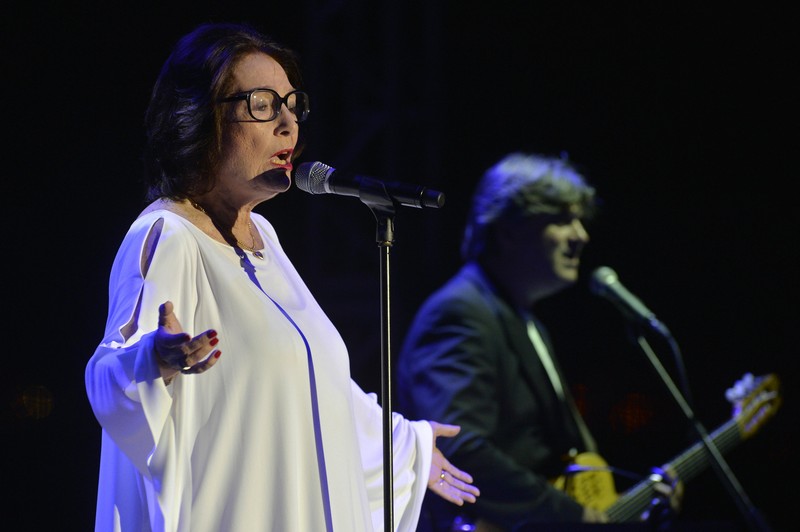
(476, 356)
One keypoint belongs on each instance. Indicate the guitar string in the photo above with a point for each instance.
(687, 465)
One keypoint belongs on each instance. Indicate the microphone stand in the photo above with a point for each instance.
(374, 195)
(754, 520)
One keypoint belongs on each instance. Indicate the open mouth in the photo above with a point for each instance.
(282, 159)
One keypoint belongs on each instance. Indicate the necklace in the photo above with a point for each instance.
(256, 253)
(252, 249)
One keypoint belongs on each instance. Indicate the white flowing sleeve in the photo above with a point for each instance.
(412, 447)
(123, 382)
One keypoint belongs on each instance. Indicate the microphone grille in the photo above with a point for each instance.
(602, 277)
(311, 177)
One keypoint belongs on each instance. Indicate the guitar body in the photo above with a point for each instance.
(593, 487)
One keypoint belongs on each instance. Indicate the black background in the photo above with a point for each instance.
(680, 115)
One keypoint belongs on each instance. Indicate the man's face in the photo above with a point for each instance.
(547, 249)
(563, 239)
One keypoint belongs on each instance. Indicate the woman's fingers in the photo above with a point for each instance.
(167, 318)
(201, 353)
(446, 480)
(451, 488)
(460, 480)
(205, 364)
(441, 429)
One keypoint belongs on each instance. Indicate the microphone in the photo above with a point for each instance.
(605, 284)
(319, 178)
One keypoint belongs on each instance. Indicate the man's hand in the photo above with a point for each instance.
(669, 496)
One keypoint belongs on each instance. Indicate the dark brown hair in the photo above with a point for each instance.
(183, 123)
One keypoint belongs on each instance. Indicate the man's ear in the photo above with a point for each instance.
(502, 236)
(510, 234)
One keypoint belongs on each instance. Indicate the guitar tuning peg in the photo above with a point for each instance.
(729, 395)
(741, 388)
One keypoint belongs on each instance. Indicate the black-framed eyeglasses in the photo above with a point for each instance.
(264, 105)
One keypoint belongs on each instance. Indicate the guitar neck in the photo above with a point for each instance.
(687, 465)
(694, 460)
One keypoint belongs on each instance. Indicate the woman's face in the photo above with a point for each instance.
(256, 156)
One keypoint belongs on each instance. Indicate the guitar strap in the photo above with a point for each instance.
(562, 391)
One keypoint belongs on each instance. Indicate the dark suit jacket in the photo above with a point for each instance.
(467, 360)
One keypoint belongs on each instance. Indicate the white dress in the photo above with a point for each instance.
(275, 437)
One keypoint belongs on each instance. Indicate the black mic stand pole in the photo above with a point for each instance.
(373, 194)
(735, 490)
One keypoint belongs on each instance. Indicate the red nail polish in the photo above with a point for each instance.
(217, 354)
(211, 334)
(214, 341)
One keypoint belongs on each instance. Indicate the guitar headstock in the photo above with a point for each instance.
(755, 400)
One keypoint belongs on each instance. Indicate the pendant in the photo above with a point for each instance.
(257, 254)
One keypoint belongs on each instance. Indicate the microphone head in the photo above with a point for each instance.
(311, 177)
(602, 278)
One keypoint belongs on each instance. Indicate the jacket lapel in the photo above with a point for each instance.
(530, 365)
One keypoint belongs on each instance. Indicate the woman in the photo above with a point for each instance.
(274, 435)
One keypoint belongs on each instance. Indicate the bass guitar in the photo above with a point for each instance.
(591, 483)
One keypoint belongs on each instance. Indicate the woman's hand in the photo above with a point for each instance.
(446, 480)
(177, 352)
